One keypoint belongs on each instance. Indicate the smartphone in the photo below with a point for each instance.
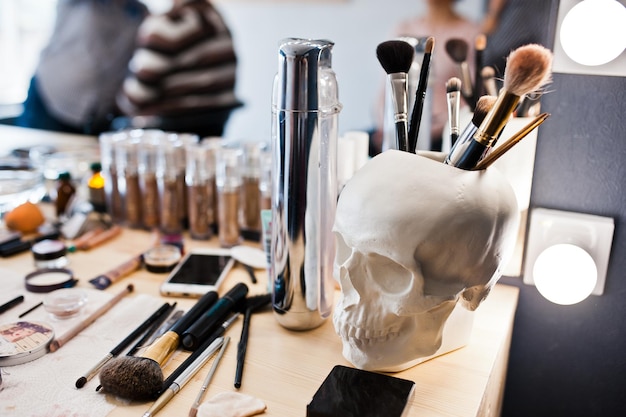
(200, 271)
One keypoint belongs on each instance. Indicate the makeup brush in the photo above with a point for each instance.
(480, 43)
(420, 95)
(484, 104)
(489, 81)
(140, 377)
(252, 304)
(512, 141)
(457, 50)
(396, 57)
(453, 88)
(80, 382)
(528, 69)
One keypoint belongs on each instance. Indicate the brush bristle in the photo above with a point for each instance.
(453, 84)
(395, 56)
(132, 378)
(483, 106)
(457, 49)
(480, 43)
(528, 68)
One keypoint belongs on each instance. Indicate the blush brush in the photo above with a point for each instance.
(396, 57)
(140, 377)
(527, 70)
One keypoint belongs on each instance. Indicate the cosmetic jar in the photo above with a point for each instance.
(49, 253)
(65, 303)
(162, 258)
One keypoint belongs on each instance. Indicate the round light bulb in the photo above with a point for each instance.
(594, 32)
(565, 274)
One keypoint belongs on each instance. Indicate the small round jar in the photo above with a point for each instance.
(49, 253)
(162, 258)
(65, 303)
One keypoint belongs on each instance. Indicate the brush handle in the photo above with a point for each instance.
(57, 343)
(418, 106)
(512, 141)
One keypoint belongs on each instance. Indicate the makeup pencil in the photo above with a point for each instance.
(12, 303)
(207, 380)
(80, 382)
(184, 377)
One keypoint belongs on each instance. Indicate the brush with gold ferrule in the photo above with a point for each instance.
(528, 69)
(510, 142)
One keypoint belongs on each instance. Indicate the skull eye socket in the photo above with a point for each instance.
(391, 277)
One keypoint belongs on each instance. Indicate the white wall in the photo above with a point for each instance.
(356, 27)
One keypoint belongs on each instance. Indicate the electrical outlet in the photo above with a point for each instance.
(592, 233)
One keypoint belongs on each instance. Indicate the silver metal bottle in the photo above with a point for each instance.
(305, 111)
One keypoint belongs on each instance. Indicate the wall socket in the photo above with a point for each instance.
(592, 233)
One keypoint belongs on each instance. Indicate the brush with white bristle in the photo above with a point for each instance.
(528, 69)
(396, 57)
(453, 93)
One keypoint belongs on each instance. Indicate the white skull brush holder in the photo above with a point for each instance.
(419, 246)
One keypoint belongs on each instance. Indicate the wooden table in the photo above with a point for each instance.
(284, 368)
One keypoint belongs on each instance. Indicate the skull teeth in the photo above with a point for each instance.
(368, 336)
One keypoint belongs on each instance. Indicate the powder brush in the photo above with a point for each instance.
(457, 50)
(528, 69)
(396, 57)
(140, 377)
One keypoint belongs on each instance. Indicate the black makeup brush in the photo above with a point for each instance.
(457, 49)
(252, 304)
(420, 95)
(527, 69)
(139, 377)
(489, 81)
(483, 105)
(453, 88)
(480, 43)
(396, 57)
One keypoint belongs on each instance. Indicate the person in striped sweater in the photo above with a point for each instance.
(182, 75)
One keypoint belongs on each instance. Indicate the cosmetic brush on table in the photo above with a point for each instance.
(396, 57)
(527, 70)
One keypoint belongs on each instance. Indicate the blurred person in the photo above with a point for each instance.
(82, 66)
(183, 72)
